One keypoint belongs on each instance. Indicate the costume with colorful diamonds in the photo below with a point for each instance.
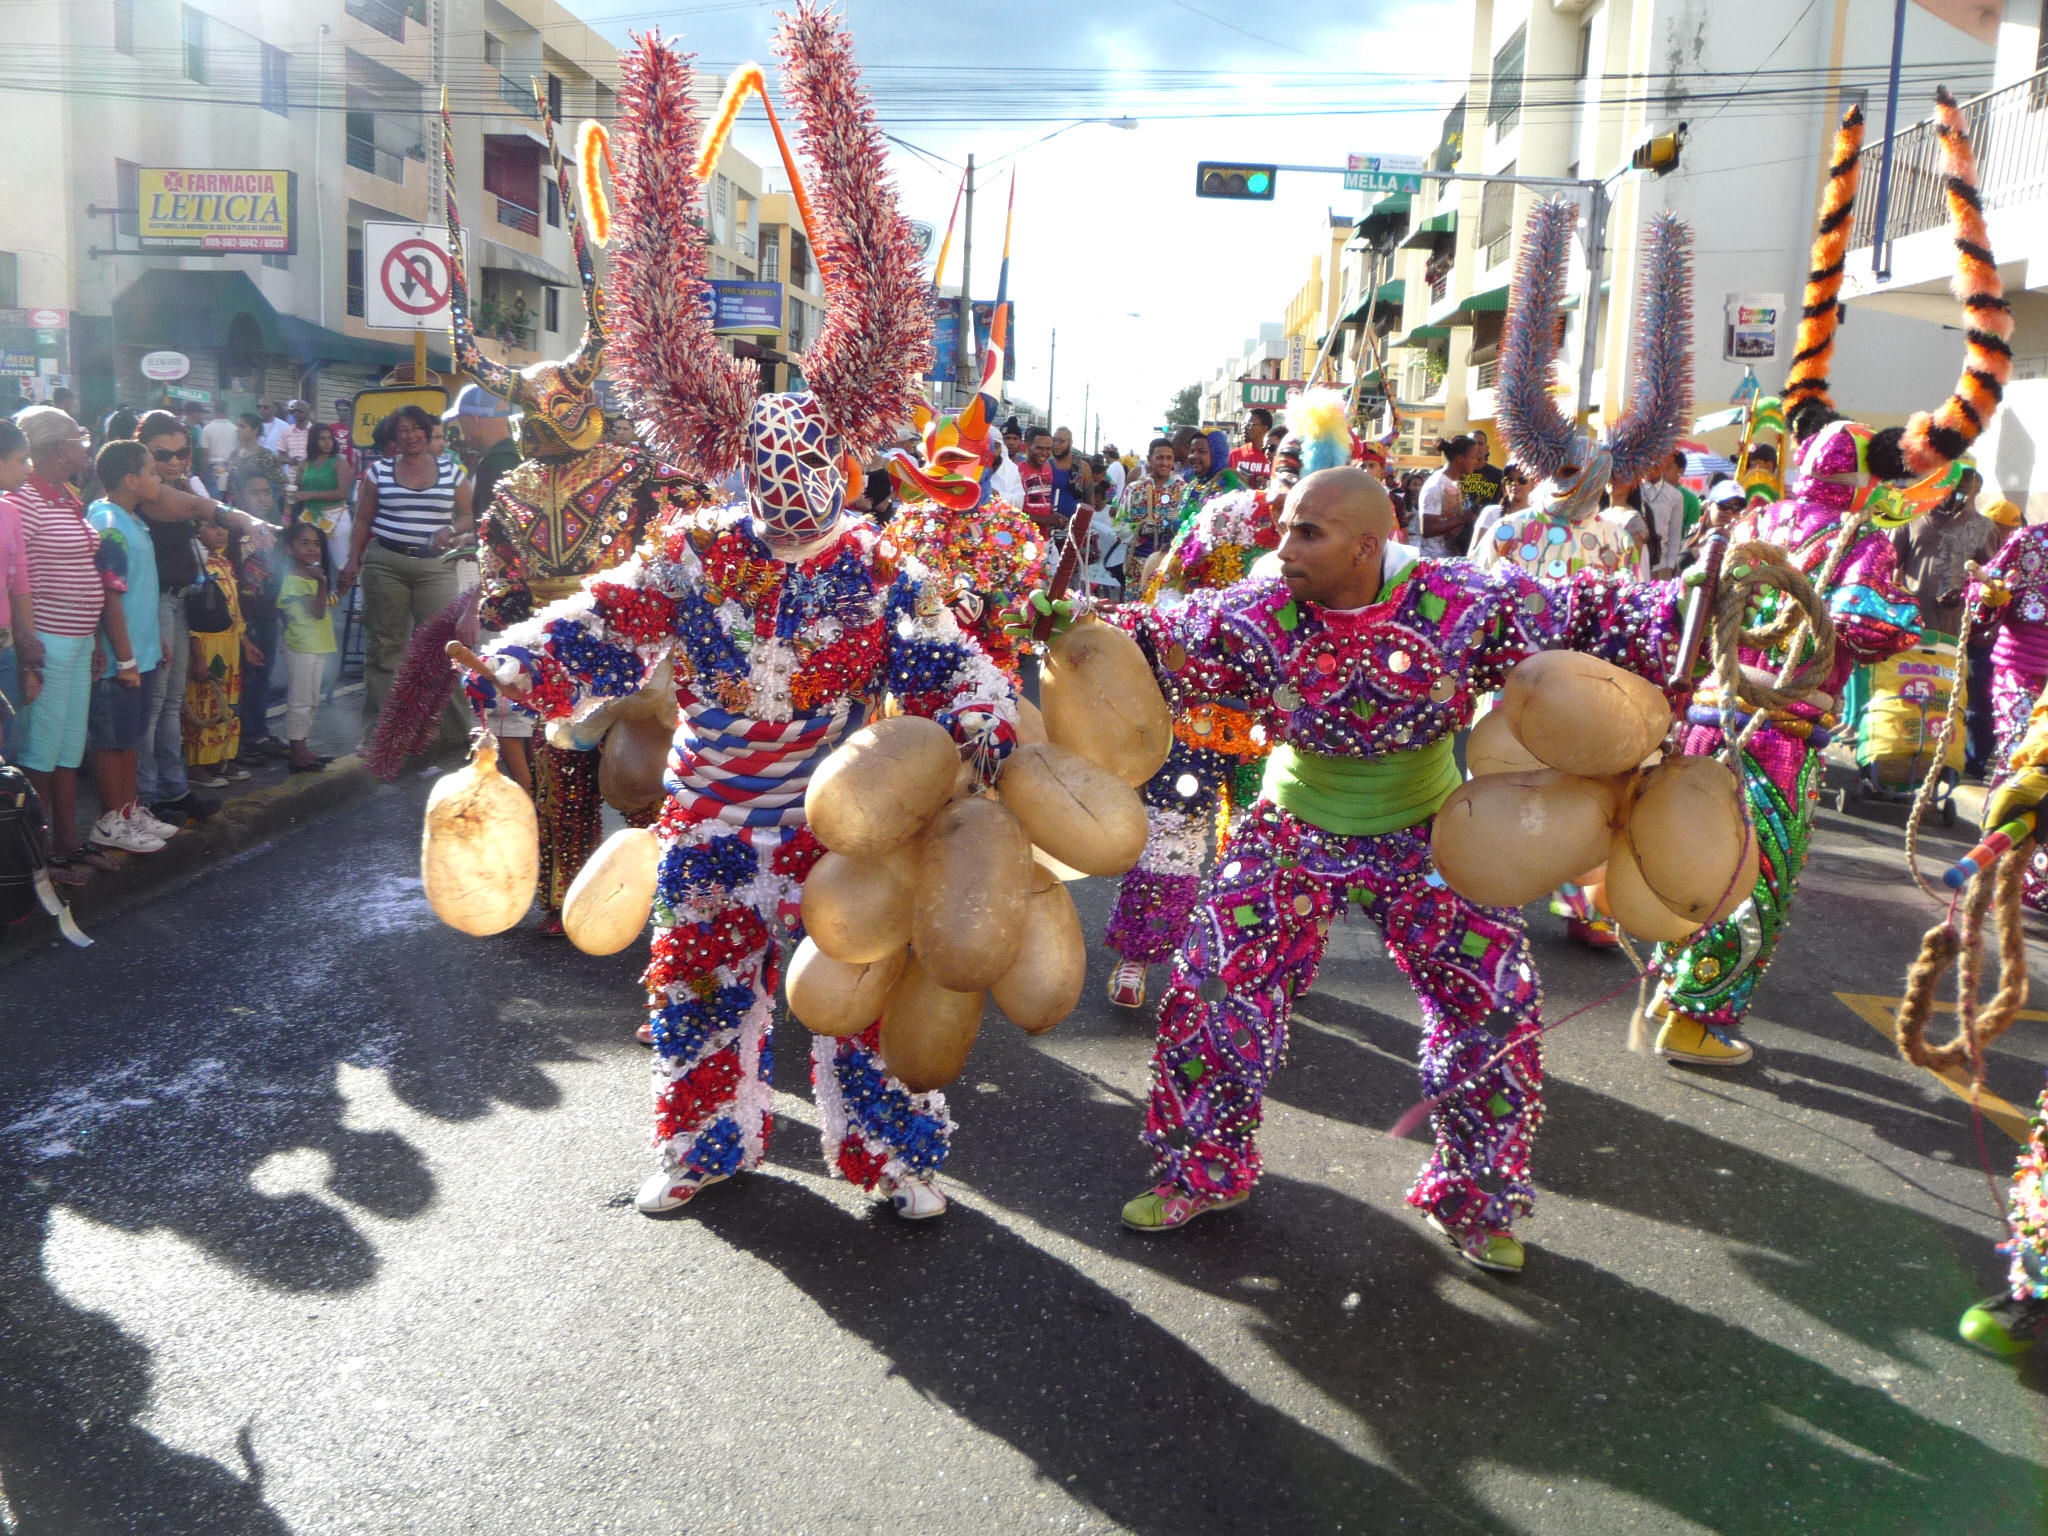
(784, 619)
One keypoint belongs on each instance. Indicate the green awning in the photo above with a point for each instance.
(209, 311)
(1427, 234)
(196, 312)
(1384, 215)
(1420, 335)
(1371, 380)
(1390, 293)
(1393, 202)
(1492, 302)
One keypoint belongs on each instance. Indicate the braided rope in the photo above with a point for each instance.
(1752, 568)
(1951, 719)
(1959, 938)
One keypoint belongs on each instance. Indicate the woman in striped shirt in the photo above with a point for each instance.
(410, 510)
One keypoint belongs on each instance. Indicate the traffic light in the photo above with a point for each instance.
(1245, 183)
(1659, 155)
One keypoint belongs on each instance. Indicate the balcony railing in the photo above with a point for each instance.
(379, 16)
(513, 216)
(1440, 288)
(364, 155)
(2008, 130)
(518, 97)
(1487, 374)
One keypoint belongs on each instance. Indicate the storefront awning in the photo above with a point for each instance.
(1421, 336)
(1493, 301)
(1432, 231)
(310, 345)
(196, 312)
(1392, 293)
(1383, 216)
(505, 259)
(1371, 380)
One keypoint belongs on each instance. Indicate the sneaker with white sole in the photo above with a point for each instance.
(143, 820)
(670, 1189)
(113, 830)
(206, 778)
(916, 1199)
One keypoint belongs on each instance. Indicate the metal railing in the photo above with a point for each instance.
(379, 16)
(518, 97)
(1439, 289)
(2008, 130)
(1487, 374)
(364, 155)
(513, 216)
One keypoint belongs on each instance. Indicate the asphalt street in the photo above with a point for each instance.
(317, 1219)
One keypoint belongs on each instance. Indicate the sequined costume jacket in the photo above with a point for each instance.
(1217, 547)
(1541, 545)
(985, 561)
(553, 521)
(1713, 979)
(2019, 627)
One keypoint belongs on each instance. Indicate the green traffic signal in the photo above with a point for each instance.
(1227, 179)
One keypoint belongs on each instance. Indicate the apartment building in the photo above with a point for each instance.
(1569, 89)
(1253, 376)
(1902, 267)
(323, 114)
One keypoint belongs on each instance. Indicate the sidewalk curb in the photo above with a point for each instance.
(243, 822)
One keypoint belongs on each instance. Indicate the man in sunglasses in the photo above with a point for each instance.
(171, 516)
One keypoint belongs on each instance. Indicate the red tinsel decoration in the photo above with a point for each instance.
(876, 341)
(636, 615)
(695, 949)
(863, 1169)
(411, 716)
(689, 397)
(795, 858)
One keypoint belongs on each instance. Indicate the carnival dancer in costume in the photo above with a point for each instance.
(576, 505)
(1834, 527)
(785, 620)
(1148, 511)
(1371, 660)
(1219, 742)
(2011, 1322)
(984, 553)
(2010, 597)
(1562, 531)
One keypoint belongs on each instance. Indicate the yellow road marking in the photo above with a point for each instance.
(1880, 1013)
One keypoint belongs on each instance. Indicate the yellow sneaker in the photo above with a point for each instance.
(1681, 1039)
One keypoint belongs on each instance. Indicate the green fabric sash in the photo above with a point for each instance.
(1362, 796)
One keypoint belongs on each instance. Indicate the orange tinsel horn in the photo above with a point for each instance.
(1944, 435)
(749, 77)
(1821, 314)
(592, 145)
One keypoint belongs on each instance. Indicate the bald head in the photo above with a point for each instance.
(1333, 532)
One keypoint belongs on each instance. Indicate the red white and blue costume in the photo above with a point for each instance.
(785, 619)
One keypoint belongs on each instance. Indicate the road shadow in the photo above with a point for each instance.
(1106, 1404)
(1572, 1372)
(149, 1079)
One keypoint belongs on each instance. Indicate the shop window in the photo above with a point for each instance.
(551, 309)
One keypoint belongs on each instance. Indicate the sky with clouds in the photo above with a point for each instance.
(1148, 287)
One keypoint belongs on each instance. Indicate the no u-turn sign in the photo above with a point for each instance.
(405, 277)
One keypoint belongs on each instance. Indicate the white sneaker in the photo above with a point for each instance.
(206, 778)
(670, 1189)
(140, 818)
(114, 830)
(917, 1199)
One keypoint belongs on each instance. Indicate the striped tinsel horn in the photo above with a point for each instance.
(1938, 437)
(1807, 393)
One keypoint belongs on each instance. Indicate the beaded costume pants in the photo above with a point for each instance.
(727, 901)
(1190, 798)
(1254, 946)
(2013, 693)
(571, 816)
(1713, 979)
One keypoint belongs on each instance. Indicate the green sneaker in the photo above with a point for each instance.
(1497, 1252)
(2004, 1326)
(1164, 1207)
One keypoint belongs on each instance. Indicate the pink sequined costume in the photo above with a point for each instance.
(1713, 979)
(1365, 706)
(2019, 658)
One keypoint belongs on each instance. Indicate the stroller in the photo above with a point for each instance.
(1901, 726)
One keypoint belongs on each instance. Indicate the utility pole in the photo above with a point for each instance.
(1086, 392)
(964, 359)
(1052, 363)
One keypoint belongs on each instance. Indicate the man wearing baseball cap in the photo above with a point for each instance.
(485, 424)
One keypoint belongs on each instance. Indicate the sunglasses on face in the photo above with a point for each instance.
(166, 455)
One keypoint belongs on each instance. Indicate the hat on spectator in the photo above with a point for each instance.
(475, 400)
(297, 405)
(2005, 513)
(45, 425)
(1722, 491)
